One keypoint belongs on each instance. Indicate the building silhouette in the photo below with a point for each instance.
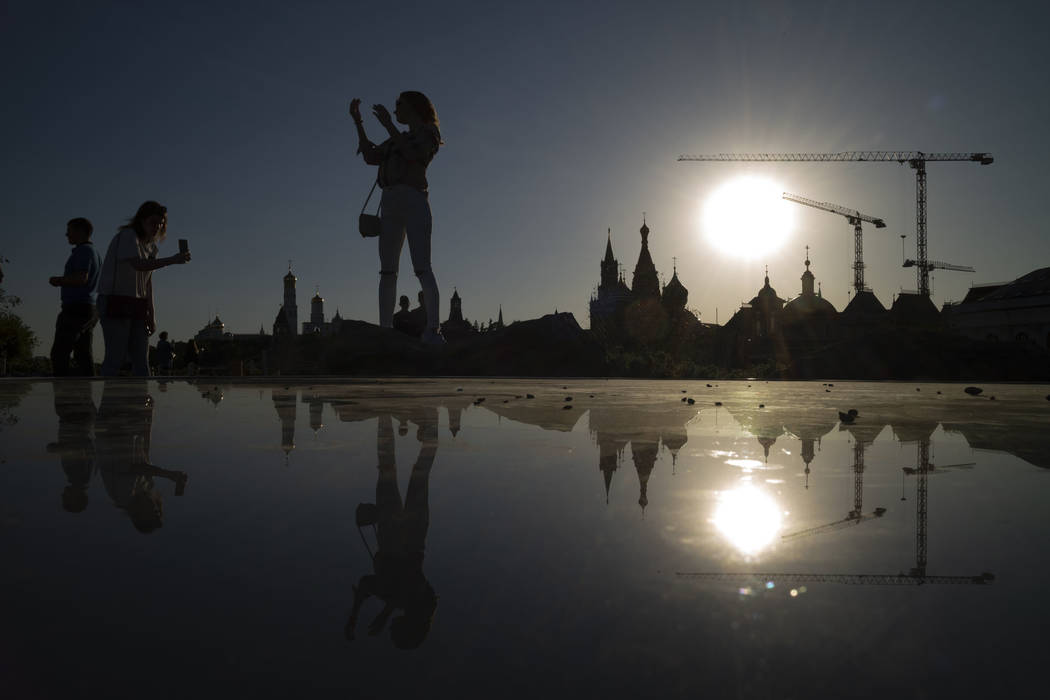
(642, 313)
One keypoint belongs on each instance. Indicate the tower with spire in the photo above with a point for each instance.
(291, 309)
(645, 283)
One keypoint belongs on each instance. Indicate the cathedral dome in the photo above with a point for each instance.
(675, 293)
(289, 277)
(317, 298)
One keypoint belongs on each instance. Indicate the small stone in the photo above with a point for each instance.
(973, 390)
(459, 389)
(718, 403)
(991, 398)
(529, 396)
(708, 386)
(918, 389)
(691, 401)
(568, 398)
(480, 399)
(566, 407)
(761, 405)
(684, 399)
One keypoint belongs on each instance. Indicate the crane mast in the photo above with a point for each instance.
(915, 159)
(855, 218)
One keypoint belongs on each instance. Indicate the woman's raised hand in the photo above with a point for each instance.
(355, 109)
(383, 115)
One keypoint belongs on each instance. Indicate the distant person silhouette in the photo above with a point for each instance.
(403, 159)
(74, 328)
(191, 357)
(126, 289)
(401, 532)
(418, 317)
(403, 318)
(122, 448)
(165, 354)
(75, 445)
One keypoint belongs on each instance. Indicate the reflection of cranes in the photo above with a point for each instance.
(916, 576)
(855, 218)
(853, 579)
(916, 159)
(922, 472)
(855, 516)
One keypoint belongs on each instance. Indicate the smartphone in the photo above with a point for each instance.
(184, 245)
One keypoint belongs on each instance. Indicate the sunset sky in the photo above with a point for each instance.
(560, 120)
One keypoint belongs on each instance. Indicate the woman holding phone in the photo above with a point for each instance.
(125, 289)
(403, 159)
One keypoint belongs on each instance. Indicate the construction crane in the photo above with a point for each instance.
(915, 159)
(935, 265)
(855, 218)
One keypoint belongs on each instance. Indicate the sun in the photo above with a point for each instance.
(747, 217)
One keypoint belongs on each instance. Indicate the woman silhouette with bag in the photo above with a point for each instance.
(403, 159)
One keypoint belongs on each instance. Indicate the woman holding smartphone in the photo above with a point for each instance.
(125, 289)
(403, 159)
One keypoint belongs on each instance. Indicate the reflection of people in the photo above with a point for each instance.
(403, 159)
(122, 444)
(75, 445)
(126, 289)
(401, 532)
(76, 322)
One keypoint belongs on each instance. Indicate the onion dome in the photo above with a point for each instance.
(317, 298)
(675, 293)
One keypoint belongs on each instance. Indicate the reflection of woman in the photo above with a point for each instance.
(125, 289)
(401, 532)
(122, 444)
(403, 159)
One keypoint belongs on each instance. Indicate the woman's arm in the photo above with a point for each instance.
(151, 311)
(148, 264)
(372, 154)
(412, 146)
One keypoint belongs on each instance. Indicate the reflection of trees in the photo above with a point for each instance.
(11, 394)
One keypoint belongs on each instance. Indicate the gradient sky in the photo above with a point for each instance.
(560, 120)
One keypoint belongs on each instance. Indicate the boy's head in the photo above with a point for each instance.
(79, 230)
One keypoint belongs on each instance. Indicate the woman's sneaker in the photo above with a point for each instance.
(432, 336)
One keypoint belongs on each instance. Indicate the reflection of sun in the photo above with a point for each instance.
(748, 518)
(747, 217)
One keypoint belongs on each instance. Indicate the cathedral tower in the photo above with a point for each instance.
(317, 310)
(291, 310)
(645, 283)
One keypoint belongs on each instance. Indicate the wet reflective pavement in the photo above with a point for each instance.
(517, 538)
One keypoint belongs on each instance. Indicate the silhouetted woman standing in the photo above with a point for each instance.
(125, 289)
(403, 159)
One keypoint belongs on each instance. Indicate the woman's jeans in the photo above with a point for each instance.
(405, 210)
(126, 339)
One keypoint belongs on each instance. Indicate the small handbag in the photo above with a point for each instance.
(370, 225)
